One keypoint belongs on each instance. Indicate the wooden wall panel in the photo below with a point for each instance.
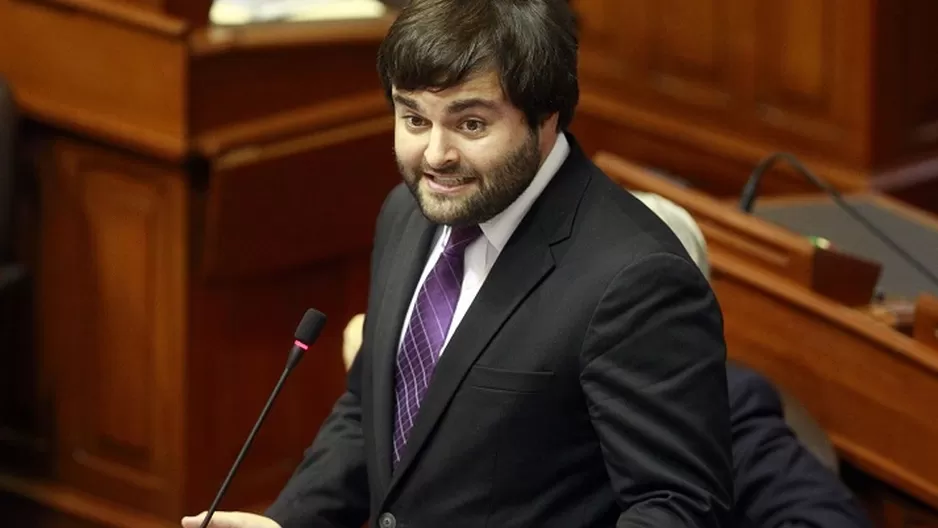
(690, 59)
(241, 332)
(251, 288)
(800, 68)
(302, 189)
(111, 320)
(668, 52)
(687, 87)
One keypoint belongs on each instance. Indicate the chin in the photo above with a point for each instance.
(446, 210)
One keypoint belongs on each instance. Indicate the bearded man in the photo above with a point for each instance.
(539, 350)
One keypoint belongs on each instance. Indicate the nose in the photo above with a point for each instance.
(439, 153)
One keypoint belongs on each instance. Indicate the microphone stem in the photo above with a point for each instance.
(245, 447)
(749, 197)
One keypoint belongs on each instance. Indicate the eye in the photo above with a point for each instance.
(473, 126)
(413, 121)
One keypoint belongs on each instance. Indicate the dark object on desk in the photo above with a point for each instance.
(915, 231)
(750, 191)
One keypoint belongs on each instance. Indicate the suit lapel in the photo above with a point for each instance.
(406, 267)
(525, 261)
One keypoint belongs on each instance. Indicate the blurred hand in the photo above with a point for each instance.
(230, 520)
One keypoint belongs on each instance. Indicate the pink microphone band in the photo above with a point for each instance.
(300, 344)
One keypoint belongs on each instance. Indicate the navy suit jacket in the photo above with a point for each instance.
(778, 482)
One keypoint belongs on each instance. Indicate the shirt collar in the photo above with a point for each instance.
(499, 228)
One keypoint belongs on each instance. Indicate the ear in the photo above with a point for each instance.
(549, 124)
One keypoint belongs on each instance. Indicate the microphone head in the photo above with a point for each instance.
(310, 327)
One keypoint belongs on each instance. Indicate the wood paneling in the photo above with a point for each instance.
(801, 67)
(298, 198)
(690, 87)
(113, 318)
(776, 70)
(92, 88)
(200, 189)
(871, 388)
(688, 58)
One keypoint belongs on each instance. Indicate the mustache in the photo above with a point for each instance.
(451, 168)
(446, 170)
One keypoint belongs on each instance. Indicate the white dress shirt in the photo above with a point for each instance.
(481, 254)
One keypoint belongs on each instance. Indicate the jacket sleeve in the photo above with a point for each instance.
(654, 377)
(330, 487)
(779, 483)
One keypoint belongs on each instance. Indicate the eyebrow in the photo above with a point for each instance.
(407, 101)
(467, 104)
(455, 107)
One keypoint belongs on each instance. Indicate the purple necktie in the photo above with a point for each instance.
(426, 332)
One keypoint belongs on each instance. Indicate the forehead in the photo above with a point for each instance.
(485, 86)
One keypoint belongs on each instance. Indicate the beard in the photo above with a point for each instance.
(487, 195)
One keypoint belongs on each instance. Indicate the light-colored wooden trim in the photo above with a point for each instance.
(255, 154)
(277, 127)
(123, 133)
(856, 323)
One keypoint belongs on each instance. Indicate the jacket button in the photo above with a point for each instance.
(386, 520)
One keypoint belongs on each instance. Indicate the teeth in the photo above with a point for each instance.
(452, 182)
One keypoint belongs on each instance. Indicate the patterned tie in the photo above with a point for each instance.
(426, 332)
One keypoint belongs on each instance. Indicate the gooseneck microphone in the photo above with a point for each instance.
(748, 197)
(306, 333)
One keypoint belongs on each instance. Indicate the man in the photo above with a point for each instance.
(539, 350)
(778, 481)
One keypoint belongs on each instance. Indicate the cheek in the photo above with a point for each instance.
(408, 147)
(484, 155)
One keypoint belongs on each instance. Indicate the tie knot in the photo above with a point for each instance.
(460, 237)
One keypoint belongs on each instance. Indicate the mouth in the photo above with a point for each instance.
(447, 184)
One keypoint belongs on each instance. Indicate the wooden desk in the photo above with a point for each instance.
(872, 388)
(198, 189)
(844, 278)
(914, 231)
